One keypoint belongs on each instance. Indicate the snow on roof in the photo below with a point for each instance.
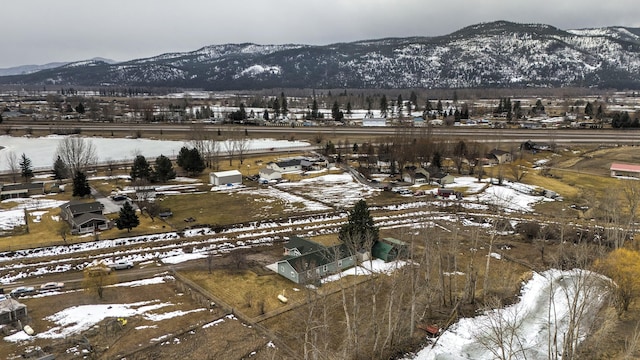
(625, 167)
(226, 173)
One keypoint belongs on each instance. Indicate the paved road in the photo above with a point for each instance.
(598, 136)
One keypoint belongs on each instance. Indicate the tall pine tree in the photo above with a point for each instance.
(359, 232)
(60, 170)
(25, 167)
(127, 218)
(81, 185)
(163, 170)
(140, 170)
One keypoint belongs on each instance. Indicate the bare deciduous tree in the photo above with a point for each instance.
(14, 166)
(77, 153)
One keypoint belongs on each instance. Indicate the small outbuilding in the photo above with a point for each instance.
(628, 170)
(225, 177)
(11, 310)
(390, 249)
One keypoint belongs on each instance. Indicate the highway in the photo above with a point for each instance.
(559, 136)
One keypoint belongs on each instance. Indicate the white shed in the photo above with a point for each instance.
(225, 177)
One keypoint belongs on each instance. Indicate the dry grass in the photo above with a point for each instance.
(245, 290)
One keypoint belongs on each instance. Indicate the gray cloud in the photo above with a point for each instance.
(41, 31)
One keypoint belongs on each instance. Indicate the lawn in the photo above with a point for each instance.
(245, 290)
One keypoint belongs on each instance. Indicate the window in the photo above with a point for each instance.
(339, 263)
(324, 268)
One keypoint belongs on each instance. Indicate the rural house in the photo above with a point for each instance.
(12, 191)
(269, 174)
(500, 156)
(286, 165)
(84, 217)
(307, 261)
(225, 177)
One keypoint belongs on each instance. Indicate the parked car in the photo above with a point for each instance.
(119, 198)
(121, 265)
(165, 214)
(22, 291)
(51, 286)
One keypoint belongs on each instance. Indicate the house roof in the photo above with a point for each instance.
(226, 173)
(318, 258)
(88, 217)
(10, 305)
(288, 163)
(625, 167)
(268, 171)
(394, 241)
(498, 152)
(304, 246)
(381, 250)
(76, 207)
(12, 187)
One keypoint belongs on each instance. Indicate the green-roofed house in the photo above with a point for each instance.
(307, 261)
(390, 249)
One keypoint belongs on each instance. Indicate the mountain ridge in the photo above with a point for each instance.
(494, 54)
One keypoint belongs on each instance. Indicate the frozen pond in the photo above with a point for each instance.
(41, 150)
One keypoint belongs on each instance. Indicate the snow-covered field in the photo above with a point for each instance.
(554, 306)
(41, 150)
(337, 189)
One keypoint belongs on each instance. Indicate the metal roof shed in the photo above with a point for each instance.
(226, 177)
(390, 249)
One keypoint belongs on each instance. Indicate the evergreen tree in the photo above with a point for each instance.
(400, 103)
(384, 106)
(60, 170)
(359, 232)
(436, 160)
(439, 106)
(276, 107)
(80, 108)
(127, 218)
(81, 185)
(335, 111)
(588, 109)
(349, 107)
(163, 170)
(314, 109)
(190, 160)
(283, 104)
(413, 97)
(140, 169)
(265, 115)
(25, 167)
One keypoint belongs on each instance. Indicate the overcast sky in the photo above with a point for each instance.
(43, 31)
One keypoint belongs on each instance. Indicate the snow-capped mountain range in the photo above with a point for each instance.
(497, 54)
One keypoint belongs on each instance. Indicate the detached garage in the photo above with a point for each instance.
(225, 177)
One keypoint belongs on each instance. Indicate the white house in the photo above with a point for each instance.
(284, 166)
(269, 174)
(225, 177)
